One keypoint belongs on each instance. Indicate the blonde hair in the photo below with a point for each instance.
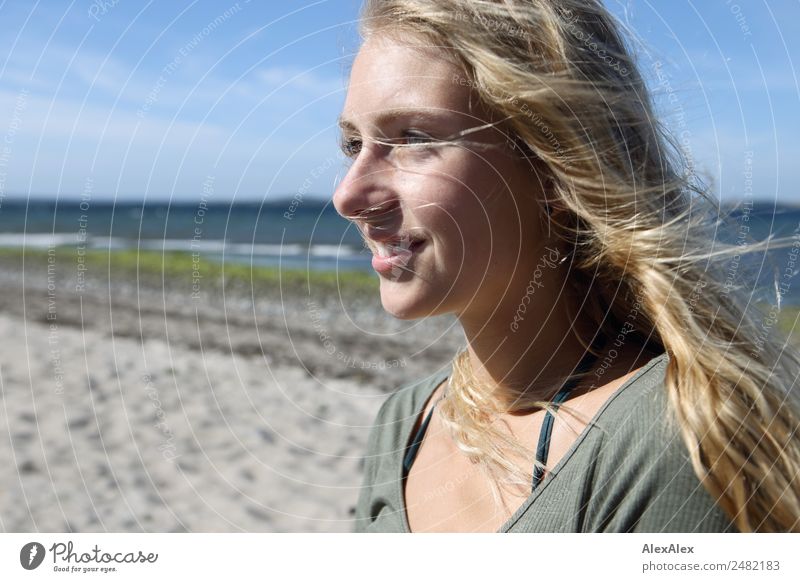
(621, 194)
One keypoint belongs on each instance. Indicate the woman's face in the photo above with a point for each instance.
(453, 229)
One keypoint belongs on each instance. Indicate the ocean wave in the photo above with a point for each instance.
(38, 240)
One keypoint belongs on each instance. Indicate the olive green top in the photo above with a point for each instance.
(628, 470)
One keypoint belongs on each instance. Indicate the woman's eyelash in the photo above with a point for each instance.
(411, 134)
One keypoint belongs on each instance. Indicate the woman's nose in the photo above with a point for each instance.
(366, 185)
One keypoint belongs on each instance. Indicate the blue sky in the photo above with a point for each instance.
(144, 99)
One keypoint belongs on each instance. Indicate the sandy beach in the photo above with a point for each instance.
(140, 407)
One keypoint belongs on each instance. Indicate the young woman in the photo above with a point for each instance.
(507, 168)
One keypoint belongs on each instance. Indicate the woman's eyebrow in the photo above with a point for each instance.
(396, 113)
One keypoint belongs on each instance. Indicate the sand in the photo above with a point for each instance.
(130, 408)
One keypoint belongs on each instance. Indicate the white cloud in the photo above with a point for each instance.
(296, 78)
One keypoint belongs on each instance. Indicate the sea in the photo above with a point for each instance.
(309, 234)
(289, 234)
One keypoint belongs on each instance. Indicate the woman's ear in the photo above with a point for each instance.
(550, 206)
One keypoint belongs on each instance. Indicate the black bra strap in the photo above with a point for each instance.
(412, 450)
(543, 448)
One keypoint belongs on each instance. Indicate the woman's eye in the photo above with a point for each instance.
(350, 146)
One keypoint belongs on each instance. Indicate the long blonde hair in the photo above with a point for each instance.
(621, 194)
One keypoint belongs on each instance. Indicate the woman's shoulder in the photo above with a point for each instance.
(407, 401)
(640, 400)
(637, 420)
(385, 443)
(644, 479)
(400, 410)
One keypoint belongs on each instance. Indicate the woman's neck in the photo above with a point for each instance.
(534, 356)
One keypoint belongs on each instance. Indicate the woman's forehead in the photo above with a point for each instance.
(389, 77)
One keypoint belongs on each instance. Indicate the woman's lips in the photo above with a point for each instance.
(392, 257)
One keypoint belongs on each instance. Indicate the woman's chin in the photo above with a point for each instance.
(398, 309)
(401, 301)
